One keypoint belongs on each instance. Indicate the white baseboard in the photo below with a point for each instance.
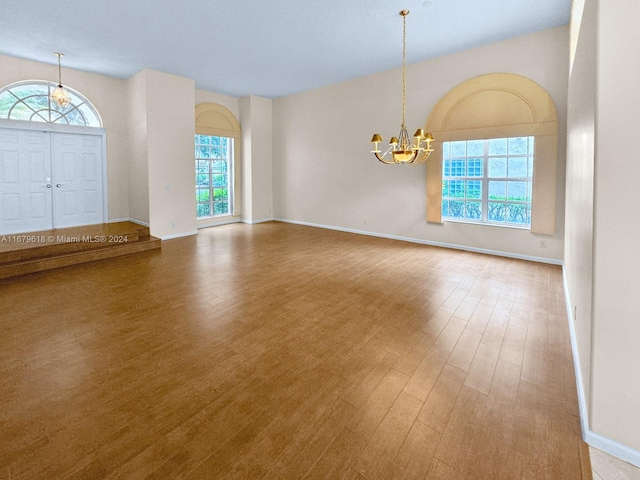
(217, 224)
(582, 399)
(594, 439)
(179, 235)
(139, 222)
(613, 448)
(262, 220)
(426, 242)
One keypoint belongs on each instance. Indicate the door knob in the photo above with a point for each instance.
(58, 185)
(48, 185)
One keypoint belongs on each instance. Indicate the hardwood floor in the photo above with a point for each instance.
(279, 351)
(606, 467)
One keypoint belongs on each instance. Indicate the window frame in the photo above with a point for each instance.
(498, 105)
(217, 120)
(211, 186)
(80, 111)
(485, 181)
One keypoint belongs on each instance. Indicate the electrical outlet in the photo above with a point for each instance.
(173, 224)
(543, 244)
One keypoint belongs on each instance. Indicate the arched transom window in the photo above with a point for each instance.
(30, 101)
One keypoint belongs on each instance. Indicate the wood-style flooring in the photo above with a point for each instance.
(279, 351)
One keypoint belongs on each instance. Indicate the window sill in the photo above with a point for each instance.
(215, 217)
(487, 224)
(217, 221)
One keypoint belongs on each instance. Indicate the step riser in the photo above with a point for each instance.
(65, 247)
(50, 263)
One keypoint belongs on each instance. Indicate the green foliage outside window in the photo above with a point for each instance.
(213, 179)
(488, 180)
(30, 101)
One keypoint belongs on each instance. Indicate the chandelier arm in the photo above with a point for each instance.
(382, 159)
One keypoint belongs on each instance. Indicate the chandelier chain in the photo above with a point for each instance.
(404, 68)
(58, 54)
(401, 148)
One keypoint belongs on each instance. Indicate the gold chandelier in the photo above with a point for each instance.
(60, 95)
(401, 150)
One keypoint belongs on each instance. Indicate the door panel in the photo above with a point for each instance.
(25, 181)
(77, 180)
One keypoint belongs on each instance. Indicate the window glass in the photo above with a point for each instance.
(213, 178)
(488, 181)
(31, 101)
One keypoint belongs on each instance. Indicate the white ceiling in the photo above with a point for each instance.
(260, 47)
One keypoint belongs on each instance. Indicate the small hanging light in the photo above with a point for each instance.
(60, 95)
(401, 148)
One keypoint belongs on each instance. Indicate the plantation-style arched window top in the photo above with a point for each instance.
(498, 106)
(30, 100)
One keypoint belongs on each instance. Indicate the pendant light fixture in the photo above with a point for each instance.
(60, 95)
(401, 150)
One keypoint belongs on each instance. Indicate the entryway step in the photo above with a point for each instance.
(32, 252)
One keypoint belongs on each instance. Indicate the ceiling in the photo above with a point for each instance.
(267, 48)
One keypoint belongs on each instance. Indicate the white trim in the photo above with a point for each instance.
(426, 242)
(221, 222)
(179, 235)
(105, 174)
(614, 448)
(263, 220)
(139, 222)
(127, 219)
(594, 439)
(582, 399)
(51, 127)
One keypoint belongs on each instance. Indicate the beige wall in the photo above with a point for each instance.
(324, 173)
(138, 180)
(602, 259)
(578, 250)
(161, 153)
(170, 137)
(257, 158)
(616, 321)
(109, 97)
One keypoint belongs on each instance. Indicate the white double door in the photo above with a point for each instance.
(49, 180)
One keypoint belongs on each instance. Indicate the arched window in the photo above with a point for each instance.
(30, 100)
(507, 108)
(217, 162)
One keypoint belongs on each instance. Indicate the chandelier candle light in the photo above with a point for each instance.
(60, 95)
(401, 148)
